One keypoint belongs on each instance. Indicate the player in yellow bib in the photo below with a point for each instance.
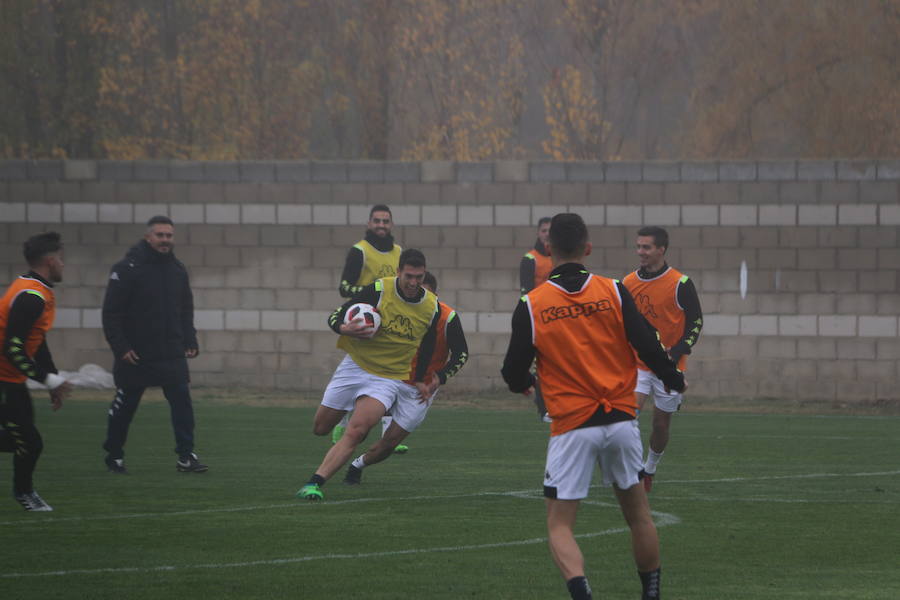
(450, 354)
(368, 381)
(371, 258)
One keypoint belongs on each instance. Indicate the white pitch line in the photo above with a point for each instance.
(297, 504)
(777, 477)
(662, 520)
(34, 520)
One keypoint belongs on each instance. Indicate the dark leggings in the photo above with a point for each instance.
(19, 435)
(125, 404)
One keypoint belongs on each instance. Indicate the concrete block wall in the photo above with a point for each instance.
(265, 243)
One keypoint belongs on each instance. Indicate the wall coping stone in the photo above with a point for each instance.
(499, 171)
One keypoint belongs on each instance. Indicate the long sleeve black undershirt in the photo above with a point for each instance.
(370, 295)
(640, 334)
(459, 350)
(352, 270)
(693, 320)
(26, 309)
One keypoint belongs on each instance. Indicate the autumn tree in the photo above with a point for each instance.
(48, 74)
(457, 88)
(810, 79)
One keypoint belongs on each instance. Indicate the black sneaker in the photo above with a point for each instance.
(30, 501)
(116, 465)
(353, 476)
(191, 464)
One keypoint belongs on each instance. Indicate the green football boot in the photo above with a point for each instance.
(310, 492)
(401, 449)
(337, 433)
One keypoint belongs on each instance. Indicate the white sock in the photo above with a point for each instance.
(344, 421)
(359, 462)
(653, 459)
(385, 423)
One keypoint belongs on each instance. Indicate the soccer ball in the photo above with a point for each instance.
(364, 311)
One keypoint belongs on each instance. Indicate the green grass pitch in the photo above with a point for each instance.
(762, 506)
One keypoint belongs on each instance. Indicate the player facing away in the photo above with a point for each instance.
(369, 379)
(534, 268)
(373, 257)
(584, 330)
(27, 310)
(668, 300)
(450, 354)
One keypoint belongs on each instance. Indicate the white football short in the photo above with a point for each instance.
(409, 411)
(350, 381)
(651, 385)
(571, 457)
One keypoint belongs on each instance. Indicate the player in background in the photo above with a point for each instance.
(27, 310)
(373, 257)
(534, 268)
(584, 331)
(450, 354)
(668, 300)
(368, 380)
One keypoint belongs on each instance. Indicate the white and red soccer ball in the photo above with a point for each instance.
(366, 312)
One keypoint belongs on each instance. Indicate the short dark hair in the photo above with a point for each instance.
(543, 220)
(411, 257)
(380, 208)
(430, 280)
(568, 235)
(40, 245)
(660, 235)
(159, 220)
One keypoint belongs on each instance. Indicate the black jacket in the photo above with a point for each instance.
(149, 308)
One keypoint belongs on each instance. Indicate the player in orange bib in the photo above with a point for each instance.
(534, 268)
(27, 310)
(668, 300)
(584, 330)
(450, 354)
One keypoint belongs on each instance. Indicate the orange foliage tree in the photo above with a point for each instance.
(449, 79)
(457, 88)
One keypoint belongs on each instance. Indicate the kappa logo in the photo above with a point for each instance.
(386, 271)
(645, 307)
(114, 276)
(400, 326)
(573, 311)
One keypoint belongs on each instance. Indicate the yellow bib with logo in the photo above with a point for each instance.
(377, 264)
(403, 325)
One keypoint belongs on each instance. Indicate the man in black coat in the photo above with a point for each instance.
(148, 320)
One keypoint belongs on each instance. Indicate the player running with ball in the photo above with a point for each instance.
(369, 380)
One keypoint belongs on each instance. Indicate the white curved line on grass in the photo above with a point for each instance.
(662, 519)
(39, 519)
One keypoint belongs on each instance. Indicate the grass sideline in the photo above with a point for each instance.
(754, 506)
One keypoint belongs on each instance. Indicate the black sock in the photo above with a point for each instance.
(316, 478)
(650, 580)
(579, 588)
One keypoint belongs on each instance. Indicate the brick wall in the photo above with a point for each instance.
(265, 243)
